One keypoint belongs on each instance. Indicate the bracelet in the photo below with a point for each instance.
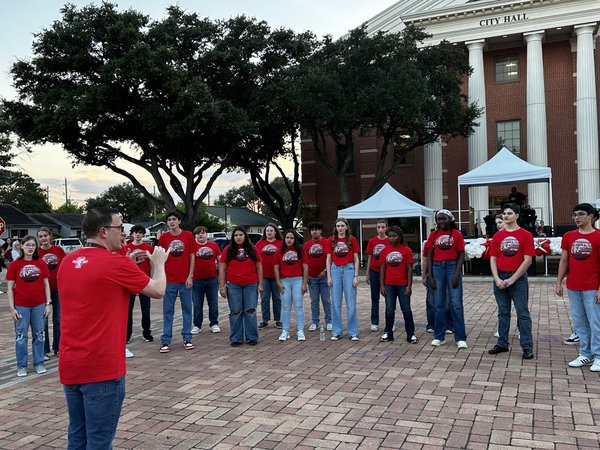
(221, 287)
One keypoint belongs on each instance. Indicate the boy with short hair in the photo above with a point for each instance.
(374, 247)
(317, 275)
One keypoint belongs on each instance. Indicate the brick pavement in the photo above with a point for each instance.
(333, 395)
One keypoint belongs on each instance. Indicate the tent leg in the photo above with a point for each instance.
(360, 233)
(459, 211)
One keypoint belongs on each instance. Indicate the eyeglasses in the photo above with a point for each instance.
(579, 214)
(113, 226)
(29, 245)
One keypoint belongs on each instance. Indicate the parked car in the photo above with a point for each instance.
(254, 237)
(68, 244)
(216, 235)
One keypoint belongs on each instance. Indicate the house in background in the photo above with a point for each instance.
(232, 216)
(18, 223)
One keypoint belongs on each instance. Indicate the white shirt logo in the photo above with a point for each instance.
(80, 262)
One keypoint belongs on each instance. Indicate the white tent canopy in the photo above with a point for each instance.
(385, 203)
(507, 168)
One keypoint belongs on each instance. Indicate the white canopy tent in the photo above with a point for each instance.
(385, 203)
(507, 168)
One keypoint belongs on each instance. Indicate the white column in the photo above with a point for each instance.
(478, 140)
(537, 142)
(587, 116)
(432, 156)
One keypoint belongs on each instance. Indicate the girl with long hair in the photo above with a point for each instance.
(267, 247)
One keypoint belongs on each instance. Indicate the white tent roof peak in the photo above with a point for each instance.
(387, 202)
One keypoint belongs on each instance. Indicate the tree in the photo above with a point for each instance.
(126, 199)
(70, 208)
(168, 96)
(241, 197)
(386, 83)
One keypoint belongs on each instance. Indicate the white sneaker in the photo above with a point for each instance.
(313, 327)
(22, 372)
(461, 344)
(195, 330)
(215, 329)
(301, 336)
(128, 353)
(596, 366)
(284, 336)
(335, 337)
(40, 368)
(329, 327)
(393, 328)
(448, 331)
(581, 361)
(355, 338)
(437, 342)
(496, 334)
(430, 330)
(46, 356)
(374, 327)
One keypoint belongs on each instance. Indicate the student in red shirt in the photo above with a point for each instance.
(342, 276)
(291, 274)
(206, 281)
(396, 283)
(581, 257)
(29, 303)
(240, 282)
(374, 247)
(267, 246)
(445, 256)
(316, 251)
(53, 256)
(511, 253)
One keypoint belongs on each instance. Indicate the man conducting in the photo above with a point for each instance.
(94, 287)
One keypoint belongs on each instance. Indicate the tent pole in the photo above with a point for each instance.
(421, 243)
(360, 233)
(459, 211)
(550, 205)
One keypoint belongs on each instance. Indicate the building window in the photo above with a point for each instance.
(508, 134)
(507, 69)
(400, 140)
(342, 151)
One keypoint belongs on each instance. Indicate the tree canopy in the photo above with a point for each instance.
(126, 199)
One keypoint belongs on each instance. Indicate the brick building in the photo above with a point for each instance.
(536, 73)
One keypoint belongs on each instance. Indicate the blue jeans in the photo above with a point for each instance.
(430, 308)
(443, 272)
(55, 325)
(375, 293)
(586, 320)
(94, 410)
(210, 288)
(319, 287)
(270, 289)
(518, 292)
(185, 296)
(292, 294)
(242, 299)
(393, 292)
(145, 308)
(31, 316)
(342, 277)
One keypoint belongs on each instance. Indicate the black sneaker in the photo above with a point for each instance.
(148, 337)
(252, 342)
(263, 325)
(387, 337)
(279, 325)
(497, 349)
(572, 340)
(236, 344)
(527, 353)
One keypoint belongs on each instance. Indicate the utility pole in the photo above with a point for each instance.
(66, 193)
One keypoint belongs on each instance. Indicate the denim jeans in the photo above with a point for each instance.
(443, 272)
(270, 289)
(243, 300)
(342, 277)
(145, 308)
(210, 288)
(518, 292)
(375, 293)
(31, 316)
(430, 309)
(586, 320)
(94, 410)
(292, 294)
(55, 325)
(185, 296)
(393, 292)
(319, 287)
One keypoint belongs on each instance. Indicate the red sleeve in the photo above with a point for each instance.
(369, 250)
(459, 241)
(355, 246)
(528, 245)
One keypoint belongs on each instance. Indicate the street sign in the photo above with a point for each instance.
(2, 227)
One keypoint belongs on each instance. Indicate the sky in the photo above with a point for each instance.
(50, 166)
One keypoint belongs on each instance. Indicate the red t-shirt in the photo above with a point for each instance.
(94, 287)
(267, 252)
(316, 252)
(29, 281)
(374, 248)
(396, 260)
(206, 255)
(177, 266)
(446, 244)
(241, 269)
(510, 248)
(290, 263)
(584, 260)
(133, 249)
(339, 251)
(52, 256)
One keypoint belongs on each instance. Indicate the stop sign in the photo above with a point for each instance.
(2, 227)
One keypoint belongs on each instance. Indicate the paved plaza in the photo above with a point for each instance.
(332, 395)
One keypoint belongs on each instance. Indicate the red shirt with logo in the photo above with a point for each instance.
(446, 244)
(241, 269)
(135, 249)
(29, 281)
(290, 262)
(206, 257)
(339, 251)
(52, 256)
(267, 252)
(374, 248)
(584, 260)
(94, 287)
(181, 245)
(316, 252)
(396, 260)
(511, 247)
